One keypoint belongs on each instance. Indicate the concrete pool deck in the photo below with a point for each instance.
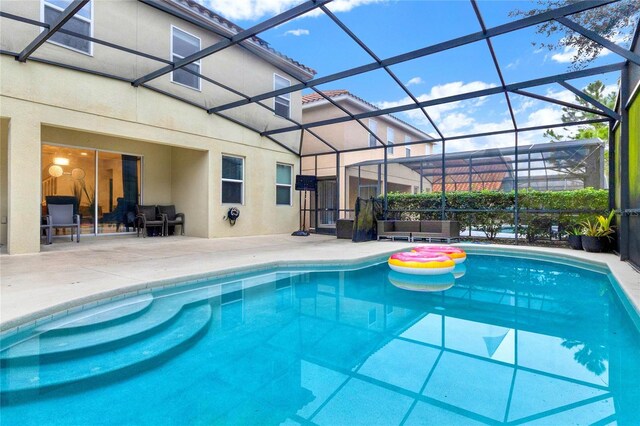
(66, 274)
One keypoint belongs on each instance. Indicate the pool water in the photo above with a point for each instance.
(510, 341)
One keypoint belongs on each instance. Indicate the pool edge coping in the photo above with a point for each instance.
(611, 264)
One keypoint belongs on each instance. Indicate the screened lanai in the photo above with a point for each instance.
(506, 141)
(550, 166)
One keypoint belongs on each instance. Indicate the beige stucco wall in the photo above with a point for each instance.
(87, 110)
(350, 134)
(146, 29)
(4, 135)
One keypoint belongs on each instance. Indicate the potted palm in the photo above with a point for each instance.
(574, 236)
(597, 235)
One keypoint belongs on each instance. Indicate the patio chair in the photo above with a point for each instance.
(172, 217)
(122, 215)
(61, 216)
(148, 217)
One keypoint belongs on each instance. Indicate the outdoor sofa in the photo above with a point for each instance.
(412, 230)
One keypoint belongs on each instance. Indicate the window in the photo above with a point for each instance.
(82, 23)
(282, 102)
(232, 179)
(407, 150)
(283, 184)
(184, 44)
(389, 140)
(373, 126)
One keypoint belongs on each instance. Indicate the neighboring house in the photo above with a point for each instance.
(351, 182)
(72, 124)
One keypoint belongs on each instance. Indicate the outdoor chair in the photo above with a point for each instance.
(122, 215)
(172, 217)
(148, 217)
(61, 216)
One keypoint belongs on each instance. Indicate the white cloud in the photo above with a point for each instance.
(297, 33)
(513, 65)
(252, 10)
(569, 52)
(414, 81)
(441, 91)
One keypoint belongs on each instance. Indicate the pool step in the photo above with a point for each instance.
(47, 346)
(102, 316)
(30, 380)
(54, 345)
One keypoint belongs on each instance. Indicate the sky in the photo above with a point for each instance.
(393, 27)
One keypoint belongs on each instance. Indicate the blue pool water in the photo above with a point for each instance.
(507, 341)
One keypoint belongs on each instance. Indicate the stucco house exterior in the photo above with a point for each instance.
(339, 179)
(71, 122)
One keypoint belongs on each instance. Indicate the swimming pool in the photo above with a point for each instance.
(511, 340)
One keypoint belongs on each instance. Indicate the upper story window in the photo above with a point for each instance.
(81, 23)
(390, 138)
(282, 103)
(373, 126)
(407, 150)
(283, 184)
(184, 44)
(232, 179)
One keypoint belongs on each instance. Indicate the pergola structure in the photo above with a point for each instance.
(313, 144)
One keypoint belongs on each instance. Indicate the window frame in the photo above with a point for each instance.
(172, 54)
(46, 3)
(223, 179)
(373, 127)
(286, 96)
(390, 140)
(290, 185)
(407, 148)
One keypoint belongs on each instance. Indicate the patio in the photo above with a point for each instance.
(66, 275)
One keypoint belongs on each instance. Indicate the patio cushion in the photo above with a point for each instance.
(432, 226)
(407, 226)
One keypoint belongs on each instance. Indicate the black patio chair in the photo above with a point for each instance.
(172, 217)
(148, 217)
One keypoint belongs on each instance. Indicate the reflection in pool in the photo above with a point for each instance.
(512, 341)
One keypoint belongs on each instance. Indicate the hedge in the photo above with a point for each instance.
(490, 210)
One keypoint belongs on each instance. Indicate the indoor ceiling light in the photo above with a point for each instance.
(55, 171)
(61, 161)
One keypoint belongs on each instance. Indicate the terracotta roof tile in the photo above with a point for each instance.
(234, 29)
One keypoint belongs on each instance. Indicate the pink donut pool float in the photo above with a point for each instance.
(457, 254)
(421, 263)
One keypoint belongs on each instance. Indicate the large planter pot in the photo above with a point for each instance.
(595, 244)
(575, 241)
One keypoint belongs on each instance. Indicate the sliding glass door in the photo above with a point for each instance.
(104, 187)
(119, 191)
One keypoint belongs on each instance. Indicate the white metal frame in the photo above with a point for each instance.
(241, 182)
(172, 54)
(290, 185)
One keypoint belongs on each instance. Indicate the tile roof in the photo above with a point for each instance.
(234, 29)
(488, 176)
(314, 97)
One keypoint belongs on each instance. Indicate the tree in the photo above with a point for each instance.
(614, 22)
(576, 167)
(596, 90)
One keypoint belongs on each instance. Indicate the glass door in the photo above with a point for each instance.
(104, 187)
(68, 176)
(118, 191)
(327, 208)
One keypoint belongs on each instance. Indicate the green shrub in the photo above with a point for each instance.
(470, 209)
